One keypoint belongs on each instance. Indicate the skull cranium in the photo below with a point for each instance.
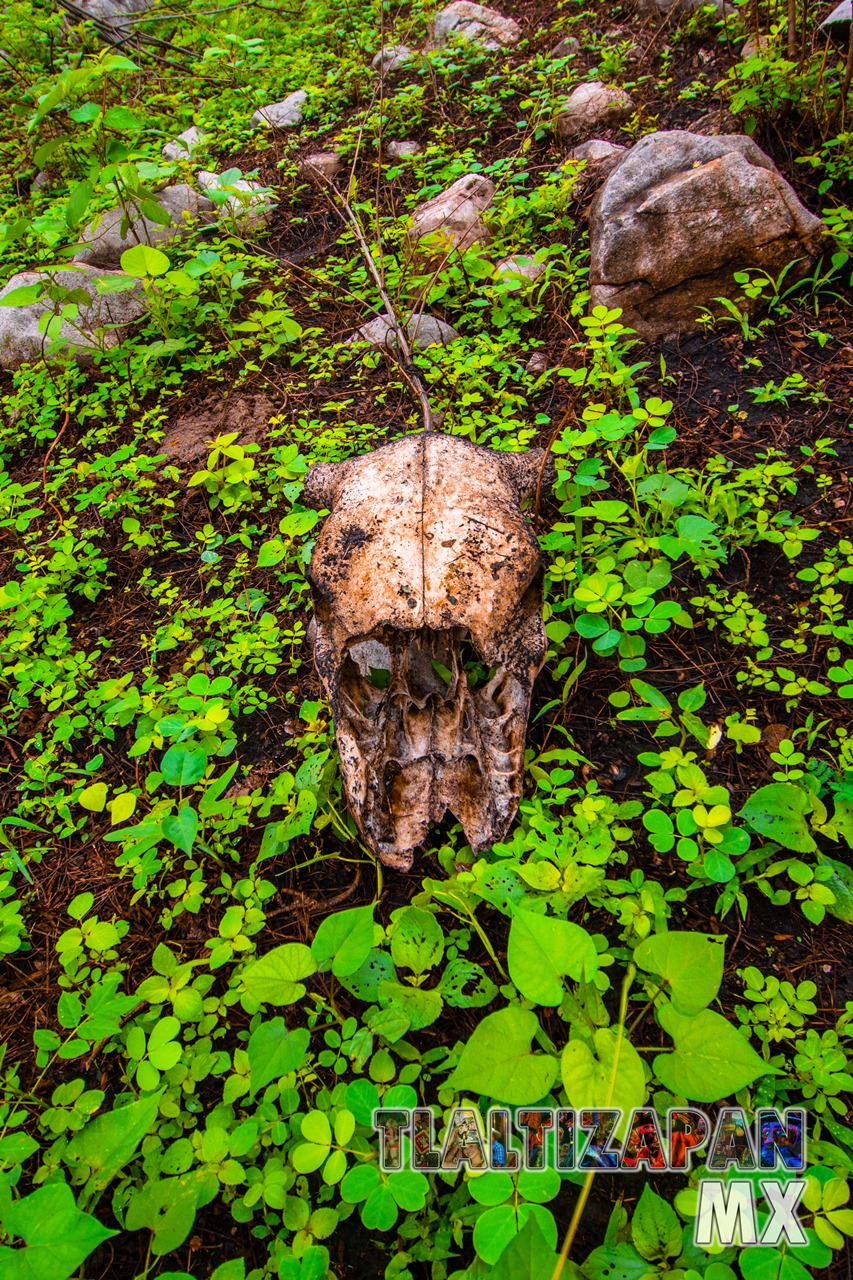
(427, 556)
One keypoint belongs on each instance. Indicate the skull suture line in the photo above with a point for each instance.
(426, 555)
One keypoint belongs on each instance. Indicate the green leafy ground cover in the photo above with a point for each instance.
(208, 982)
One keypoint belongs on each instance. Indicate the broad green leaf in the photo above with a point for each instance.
(498, 1060)
(362, 1099)
(94, 798)
(691, 965)
(122, 807)
(106, 1143)
(841, 883)
(409, 1188)
(587, 1076)
(711, 1058)
(766, 1263)
(274, 1052)
(617, 1262)
(181, 828)
(528, 1256)
(183, 765)
(58, 1236)
(780, 812)
(491, 1188)
(543, 950)
(277, 977)
(168, 1208)
(78, 202)
(465, 985)
(316, 1128)
(655, 1228)
(379, 1211)
(24, 296)
(497, 1228)
(417, 942)
(344, 941)
(421, 1007)
(144, 260)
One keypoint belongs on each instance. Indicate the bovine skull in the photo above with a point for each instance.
(426, 555)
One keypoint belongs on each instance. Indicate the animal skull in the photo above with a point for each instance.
(426, 554)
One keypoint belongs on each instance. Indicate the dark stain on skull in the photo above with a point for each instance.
(427, 591)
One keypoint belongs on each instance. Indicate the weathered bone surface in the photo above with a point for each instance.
(427, 560)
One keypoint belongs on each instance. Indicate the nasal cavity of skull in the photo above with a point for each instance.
(428, 661)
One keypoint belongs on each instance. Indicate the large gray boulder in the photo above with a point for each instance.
(103, 242)
(114, 19)
(474, 23)
(592, 107)
(281, 115)
(678, 216)
(96, 324)
(452, 219)
(837, 25)
(422, 331)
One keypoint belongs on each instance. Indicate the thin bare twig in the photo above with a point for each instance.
(404, 351)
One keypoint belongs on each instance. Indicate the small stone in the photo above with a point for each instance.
(715, 122)
(320, 167)
(248, 204)
(568, 47)
(596, 150)
(601, 158)
(391, 58)
(399, 150)
(474, 23)
(537, 364)
(21, 340)
(41, 182)
(103, 242)
(281, 115)
(755, 45)
(422, 331)
(520, 268)
(185, 145)
(593, 106)
(453, 216)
